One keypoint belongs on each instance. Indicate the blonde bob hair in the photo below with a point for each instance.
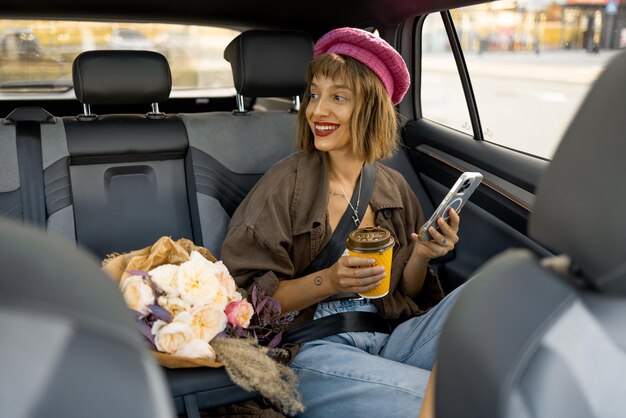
(374, 123)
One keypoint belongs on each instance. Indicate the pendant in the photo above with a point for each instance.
(356, 219)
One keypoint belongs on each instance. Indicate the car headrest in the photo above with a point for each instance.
(270, 63)
(69, 344)
(121, 77)
(581, 199)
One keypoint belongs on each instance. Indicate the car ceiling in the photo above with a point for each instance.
(315, 17)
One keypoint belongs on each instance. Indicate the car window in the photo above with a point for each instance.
(37, 56)
(442, 96)
(531, 64)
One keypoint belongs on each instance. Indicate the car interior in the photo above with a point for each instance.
(125, 163)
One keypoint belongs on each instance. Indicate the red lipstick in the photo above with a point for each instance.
(324, 128)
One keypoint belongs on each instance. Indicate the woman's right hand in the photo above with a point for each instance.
(355, 274)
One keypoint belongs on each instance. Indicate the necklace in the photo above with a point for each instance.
(355, 211)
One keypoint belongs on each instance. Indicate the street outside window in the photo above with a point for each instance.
(36, 56)
(531, 63)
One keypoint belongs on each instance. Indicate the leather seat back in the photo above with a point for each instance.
(127, 172)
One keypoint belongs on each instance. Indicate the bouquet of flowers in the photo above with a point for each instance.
(188, 307)
(181, 308)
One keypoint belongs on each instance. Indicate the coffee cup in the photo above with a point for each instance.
(377, 244)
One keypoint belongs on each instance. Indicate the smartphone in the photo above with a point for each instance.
(455, 199)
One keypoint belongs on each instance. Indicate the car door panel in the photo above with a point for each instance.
(496, 215)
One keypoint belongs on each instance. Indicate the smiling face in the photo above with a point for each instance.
(329, 114)
(346, 107)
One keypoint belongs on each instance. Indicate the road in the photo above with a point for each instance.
(525, 101)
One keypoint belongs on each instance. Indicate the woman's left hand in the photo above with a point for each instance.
(442, 242)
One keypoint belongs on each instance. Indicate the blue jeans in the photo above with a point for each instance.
(369, 374)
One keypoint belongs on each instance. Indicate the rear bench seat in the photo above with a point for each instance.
(112, 183)
(118, 182)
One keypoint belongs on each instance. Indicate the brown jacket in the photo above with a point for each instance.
(282, 225)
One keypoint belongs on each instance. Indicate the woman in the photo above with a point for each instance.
(347, 119)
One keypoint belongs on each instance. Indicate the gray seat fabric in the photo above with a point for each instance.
(55, 155)
(69, 345)
(231, 151)
(528, 339)
(10, 200)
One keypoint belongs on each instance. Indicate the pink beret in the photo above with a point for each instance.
(372, 51)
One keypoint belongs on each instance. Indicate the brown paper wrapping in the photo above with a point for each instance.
(176, 362)
(164, 251)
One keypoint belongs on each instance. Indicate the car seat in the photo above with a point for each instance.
(69, 345)
(545, 338)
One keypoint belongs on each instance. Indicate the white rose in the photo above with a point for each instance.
(173, 305)
(219, 265)
(216, 267)
(197, 285)
(183, 317)
(137, 293)
(197, 257)
(229, 284)
(220, 300)
(197, 349)
(226, 281)
(170, 338)
(207, 322)
(125, 282)
(165, 277)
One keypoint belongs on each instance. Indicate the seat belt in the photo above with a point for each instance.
(27, 121)
(336, 324)
(332, 251)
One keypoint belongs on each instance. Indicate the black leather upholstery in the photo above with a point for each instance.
(262, 69)
(127, 172)
(525, 340)
(69, 345)
(206, 387)
(125, 136)
(121, 77)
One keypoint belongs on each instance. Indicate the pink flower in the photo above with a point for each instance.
(239, 313)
